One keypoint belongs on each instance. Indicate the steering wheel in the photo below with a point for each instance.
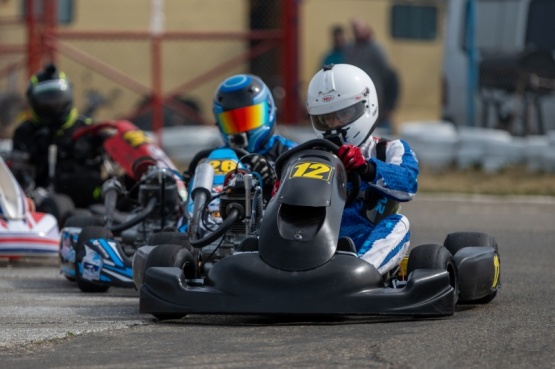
(325, 145)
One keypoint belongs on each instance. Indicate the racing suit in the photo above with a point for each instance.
(381, 234)
(78, 173)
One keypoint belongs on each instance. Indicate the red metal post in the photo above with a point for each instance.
(49, 21)
(33, 39)
(157, 92)
(290, 61)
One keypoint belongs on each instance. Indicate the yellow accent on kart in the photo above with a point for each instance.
(312, 170)
(497, 267)
(403, 267)
(136, 138)
(223, 166)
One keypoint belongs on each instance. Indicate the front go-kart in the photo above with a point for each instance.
(97, 247)
(24, 232)
(298, 265)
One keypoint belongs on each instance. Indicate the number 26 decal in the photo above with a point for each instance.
(312, 170)
(223, 166)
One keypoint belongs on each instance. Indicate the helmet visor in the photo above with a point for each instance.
(338, 119)
(52, 98)
(243, 119)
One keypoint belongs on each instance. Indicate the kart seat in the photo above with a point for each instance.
(346, 245)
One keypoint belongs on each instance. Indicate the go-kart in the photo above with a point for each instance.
(24, 232)
(224, 206)
(298, 265)
(97, 245)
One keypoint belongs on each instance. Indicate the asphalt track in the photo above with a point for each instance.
(46, 322)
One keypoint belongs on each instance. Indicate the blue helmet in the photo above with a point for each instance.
(245, 112)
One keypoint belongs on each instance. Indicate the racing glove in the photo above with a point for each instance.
(352, 159)
(260, 165)
(351, 156)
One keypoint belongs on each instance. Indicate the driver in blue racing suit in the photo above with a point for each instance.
(245, 114)
(343, 108)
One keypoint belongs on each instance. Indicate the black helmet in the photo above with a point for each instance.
(50, 96)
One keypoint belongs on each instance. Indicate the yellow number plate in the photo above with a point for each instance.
(223, 166)
(312, 170)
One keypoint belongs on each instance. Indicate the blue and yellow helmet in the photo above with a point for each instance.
(245, 112)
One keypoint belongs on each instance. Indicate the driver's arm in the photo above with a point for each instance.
(397, 175)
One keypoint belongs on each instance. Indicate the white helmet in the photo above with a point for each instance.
(342, 104)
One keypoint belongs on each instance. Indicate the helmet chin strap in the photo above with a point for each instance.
(239, 140)
(336, 136)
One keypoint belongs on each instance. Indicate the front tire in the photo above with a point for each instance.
(170, 255)
(434, 256)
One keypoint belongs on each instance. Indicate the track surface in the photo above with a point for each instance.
(47, 322)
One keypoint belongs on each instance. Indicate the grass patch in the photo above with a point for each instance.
(509, 181)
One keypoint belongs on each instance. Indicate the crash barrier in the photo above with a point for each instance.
(440, 145)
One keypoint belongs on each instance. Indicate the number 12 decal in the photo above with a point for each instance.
(312, 170)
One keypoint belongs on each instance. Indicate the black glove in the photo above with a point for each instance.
(367, 171)
(260, 165)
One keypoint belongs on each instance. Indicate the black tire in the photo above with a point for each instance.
(83, 220)
(169, 316)
(59, 205)
(86, 234)
(433, 256)
(174, 238)
(484, 300)
(171, 255)
(458, 240)
(80, 212)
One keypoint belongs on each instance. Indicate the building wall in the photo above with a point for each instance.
(418, 63)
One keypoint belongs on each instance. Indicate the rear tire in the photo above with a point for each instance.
(458, 240)
(86, 234)
(175, 238)
(83, 220)
(59, 205)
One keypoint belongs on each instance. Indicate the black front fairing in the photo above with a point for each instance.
(301, 223)
(313, 178)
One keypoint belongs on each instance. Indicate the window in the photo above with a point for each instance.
(414, 22)
(496, 24)
(64, 9)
